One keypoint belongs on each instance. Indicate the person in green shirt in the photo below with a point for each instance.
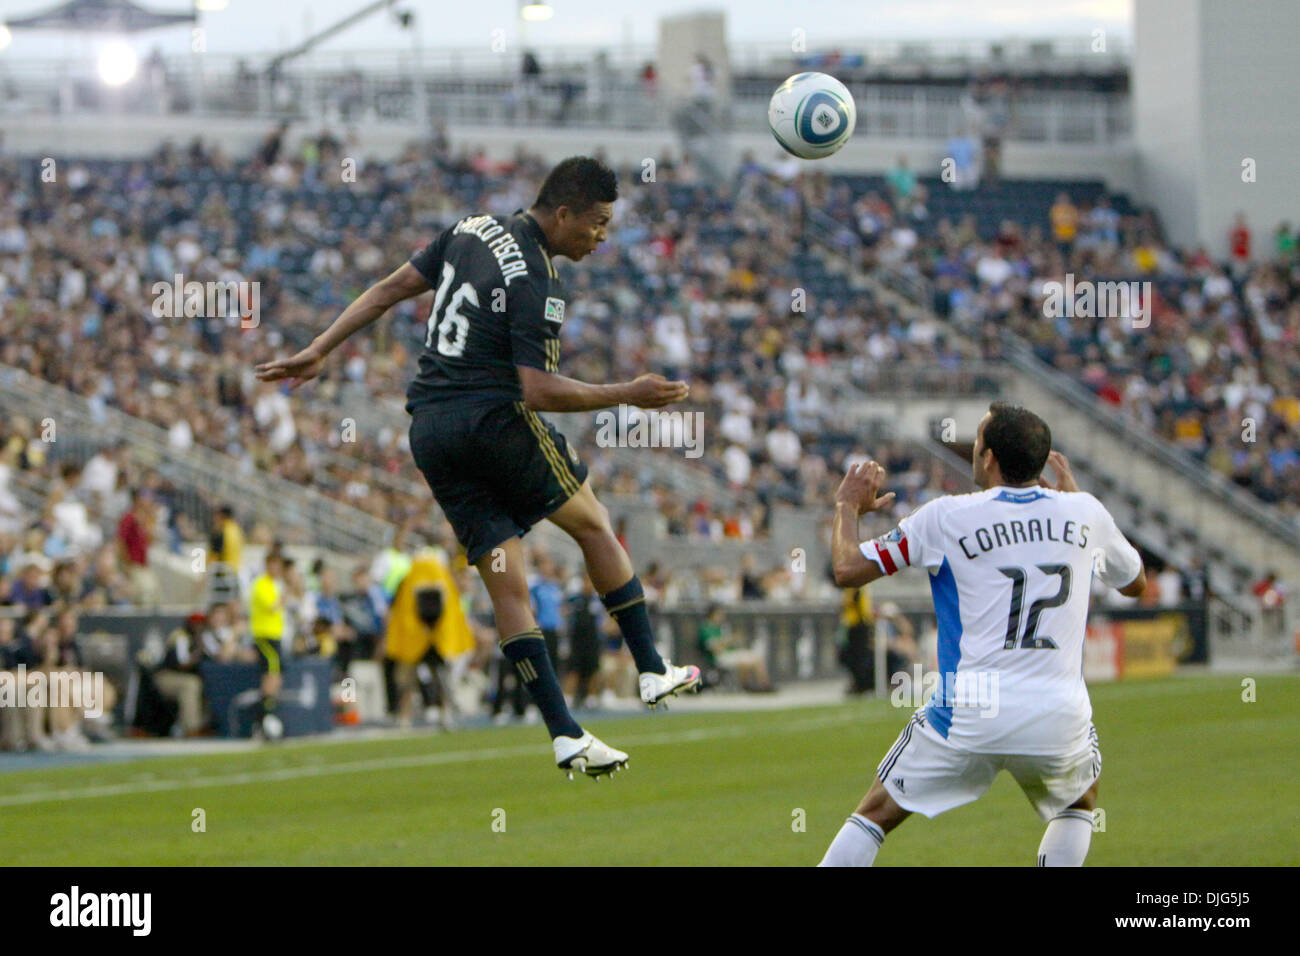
(722, 652)
(1285, 241)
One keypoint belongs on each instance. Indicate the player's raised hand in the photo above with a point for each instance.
(655, 391)
(860, 487)
(1064, 476)
(299, 368)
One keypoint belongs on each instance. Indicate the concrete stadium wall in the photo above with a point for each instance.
(681, 39)
(1213, 85)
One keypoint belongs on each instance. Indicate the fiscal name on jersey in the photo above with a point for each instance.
(498, 303)
(1009, 574)
(503, 245)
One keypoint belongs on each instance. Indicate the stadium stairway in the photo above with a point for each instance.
(201, 475)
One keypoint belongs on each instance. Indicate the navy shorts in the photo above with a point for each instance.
(495, 469)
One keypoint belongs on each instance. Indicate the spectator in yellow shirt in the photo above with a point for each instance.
(225, 553)
(858, 620)
(1065, 222)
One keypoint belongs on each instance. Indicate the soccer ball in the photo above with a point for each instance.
(272, 727)
(812, 115)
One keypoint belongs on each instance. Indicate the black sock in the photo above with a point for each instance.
(627, 606)
(268, 704)
(527, 653)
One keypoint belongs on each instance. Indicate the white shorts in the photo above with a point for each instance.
(925, 774)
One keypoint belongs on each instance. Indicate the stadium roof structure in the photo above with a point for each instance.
(100, 16)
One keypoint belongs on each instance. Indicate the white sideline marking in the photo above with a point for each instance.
(142, 785)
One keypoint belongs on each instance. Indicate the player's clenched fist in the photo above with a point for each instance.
(655, 391)
(859, 488)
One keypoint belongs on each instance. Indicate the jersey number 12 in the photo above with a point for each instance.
(1030, 639)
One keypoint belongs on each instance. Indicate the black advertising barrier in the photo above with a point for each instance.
(113, 642)
(233, 695)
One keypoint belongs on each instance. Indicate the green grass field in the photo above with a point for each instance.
(1193, 776)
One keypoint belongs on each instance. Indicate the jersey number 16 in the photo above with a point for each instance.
(453, 330)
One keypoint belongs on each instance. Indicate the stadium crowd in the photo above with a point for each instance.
(1215, 372)
(707, 278)
(695, 282)
(701, 286)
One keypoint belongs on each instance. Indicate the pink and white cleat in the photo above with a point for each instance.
(656, 687)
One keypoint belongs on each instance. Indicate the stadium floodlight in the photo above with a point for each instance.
(5, 36)
(117, 63)
(532, 10)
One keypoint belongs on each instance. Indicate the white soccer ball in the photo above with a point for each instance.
(812, 115)
(273, 727)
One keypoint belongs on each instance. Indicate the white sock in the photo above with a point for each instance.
(856, 843)
(1066, 841)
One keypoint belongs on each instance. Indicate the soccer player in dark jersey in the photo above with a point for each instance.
(494, 465)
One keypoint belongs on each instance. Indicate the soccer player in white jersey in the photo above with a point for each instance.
(1010, 569)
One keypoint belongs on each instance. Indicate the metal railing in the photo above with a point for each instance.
(846, 57)
(484, 90)
(798, 641)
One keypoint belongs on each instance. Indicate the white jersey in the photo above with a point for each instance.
(1010, 572)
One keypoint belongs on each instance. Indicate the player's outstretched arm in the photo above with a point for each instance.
(548, 392)
(401, 284)
(856, 495)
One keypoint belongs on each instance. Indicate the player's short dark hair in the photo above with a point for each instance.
(1019, 440)
(578, 182)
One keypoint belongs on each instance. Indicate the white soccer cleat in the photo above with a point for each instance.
(587, 754)
(657, 687)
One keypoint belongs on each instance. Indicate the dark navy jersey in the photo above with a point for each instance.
(497, 304)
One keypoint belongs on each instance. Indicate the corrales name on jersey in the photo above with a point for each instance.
(502, 244)
(1003, 533)
(74, 909)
